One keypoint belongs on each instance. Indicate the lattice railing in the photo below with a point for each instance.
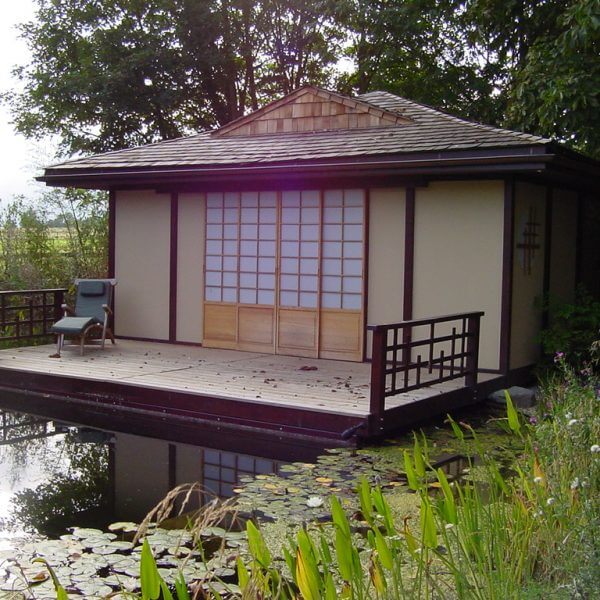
(411, 355)
(29, 314)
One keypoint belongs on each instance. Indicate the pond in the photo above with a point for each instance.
(55, 476)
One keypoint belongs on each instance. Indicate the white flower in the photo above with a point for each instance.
(575, 483)
(571, 422)
(449, 526)
(538, 479)
(550, 501)
(595, 449)
(537, 513)
(314, 502)
(568, 416)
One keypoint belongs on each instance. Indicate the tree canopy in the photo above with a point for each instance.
(109, 74)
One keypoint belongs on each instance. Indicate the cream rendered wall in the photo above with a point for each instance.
(190, 267)
(563, 252)
(527, 287)
(458, 255)
(142, 259)
(386, 257)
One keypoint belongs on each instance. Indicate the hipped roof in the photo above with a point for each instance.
(400, 134)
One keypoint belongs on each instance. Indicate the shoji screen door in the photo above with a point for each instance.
(284, 272)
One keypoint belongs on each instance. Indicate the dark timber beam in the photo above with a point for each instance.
(507, 274)
(173, 267)
(547, 251)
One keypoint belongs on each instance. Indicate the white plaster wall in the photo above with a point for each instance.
(458, 256)
(142, 259)
(386, 257)
(190, 267)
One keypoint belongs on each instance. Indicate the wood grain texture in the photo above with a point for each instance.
(331, 386)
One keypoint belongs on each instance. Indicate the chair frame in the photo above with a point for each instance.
(106, 330)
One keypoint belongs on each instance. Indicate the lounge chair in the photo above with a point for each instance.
(91, 313)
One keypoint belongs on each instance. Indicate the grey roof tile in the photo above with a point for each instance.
(429, 130)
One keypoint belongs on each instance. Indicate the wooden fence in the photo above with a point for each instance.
(29, 314)
(410, 355)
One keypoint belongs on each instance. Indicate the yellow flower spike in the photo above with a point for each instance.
(411, 543)
(377, 577)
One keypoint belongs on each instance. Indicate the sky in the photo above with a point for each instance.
(18, 156)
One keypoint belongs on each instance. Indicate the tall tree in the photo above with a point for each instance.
(557, 90)
(108, 74)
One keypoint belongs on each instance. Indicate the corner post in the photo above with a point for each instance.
(472, 364)
(378, 367)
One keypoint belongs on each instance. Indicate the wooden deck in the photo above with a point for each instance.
(298, 396)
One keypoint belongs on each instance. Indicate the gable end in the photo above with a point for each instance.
(311, 109)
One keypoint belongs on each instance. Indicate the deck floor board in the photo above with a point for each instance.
(315, 384)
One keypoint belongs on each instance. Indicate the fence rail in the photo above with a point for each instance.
(29, 314)
(411, 355)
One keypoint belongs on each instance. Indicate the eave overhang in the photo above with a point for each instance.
(549, 161)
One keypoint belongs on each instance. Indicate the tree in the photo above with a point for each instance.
(112, 74)
(557, 91)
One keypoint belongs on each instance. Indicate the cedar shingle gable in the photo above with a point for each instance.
(311, 109)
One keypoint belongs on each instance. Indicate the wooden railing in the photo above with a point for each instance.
(29, 314)
(415, 354)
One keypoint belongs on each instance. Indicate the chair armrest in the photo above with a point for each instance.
(107, 309)
(67, 310)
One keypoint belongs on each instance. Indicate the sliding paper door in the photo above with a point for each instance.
(284, 272)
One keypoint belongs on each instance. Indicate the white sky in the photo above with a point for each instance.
(17, 155)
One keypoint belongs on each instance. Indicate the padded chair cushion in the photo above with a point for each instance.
(73, 325)
(91, 288)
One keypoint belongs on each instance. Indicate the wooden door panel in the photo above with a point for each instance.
(220, 325)
(298, 332)
(256, 328)
(341, 335)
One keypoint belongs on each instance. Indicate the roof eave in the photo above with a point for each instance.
(467, 162)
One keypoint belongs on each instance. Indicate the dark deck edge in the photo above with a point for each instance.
(225, 412)
(171, 428)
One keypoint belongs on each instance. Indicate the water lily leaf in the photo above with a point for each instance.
(85, 532)
(179, 551)
(124, 526)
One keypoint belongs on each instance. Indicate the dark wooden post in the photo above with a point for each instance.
(59, 300)
(378, 367)
(472, 363)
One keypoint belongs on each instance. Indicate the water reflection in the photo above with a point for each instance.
(55, 475)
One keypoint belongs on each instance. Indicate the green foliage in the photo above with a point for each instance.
(35, 255)
(493, 535)
(118, 73)
(573, 330)
(557, 90)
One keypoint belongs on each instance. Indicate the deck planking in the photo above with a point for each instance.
(330, 386)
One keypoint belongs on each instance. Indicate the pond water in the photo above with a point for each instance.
(55, 475)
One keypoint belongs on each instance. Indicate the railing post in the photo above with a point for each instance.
(59, 300)
(378, 368)
(472, 363)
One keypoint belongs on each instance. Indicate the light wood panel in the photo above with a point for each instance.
(256, 328)
(220, 325)
(341, 334)
(298, 332)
